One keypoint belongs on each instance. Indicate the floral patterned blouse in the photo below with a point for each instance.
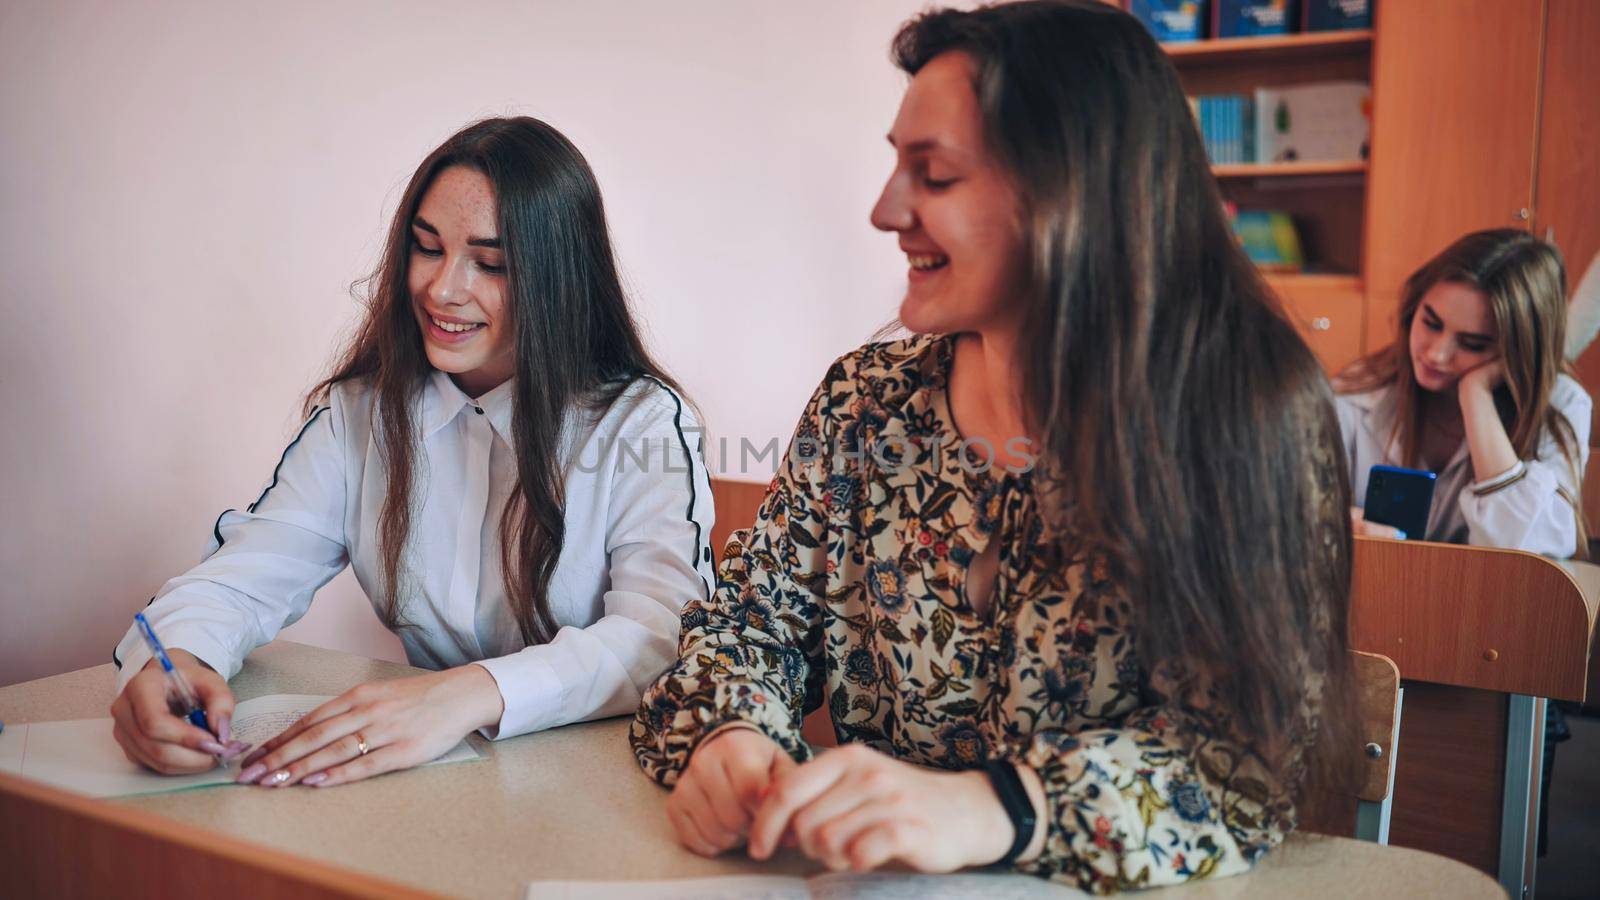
(850, 590)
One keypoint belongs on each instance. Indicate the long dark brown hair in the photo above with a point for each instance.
(576, 343)
(1180, 417)
(1524, 282)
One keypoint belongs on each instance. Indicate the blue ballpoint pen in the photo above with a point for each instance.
(186, 703)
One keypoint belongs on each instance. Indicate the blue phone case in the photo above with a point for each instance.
(1401, 498)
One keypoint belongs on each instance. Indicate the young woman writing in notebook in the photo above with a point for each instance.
(1069, 567)
(514, 480)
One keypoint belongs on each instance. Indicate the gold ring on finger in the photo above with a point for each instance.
(361, 745)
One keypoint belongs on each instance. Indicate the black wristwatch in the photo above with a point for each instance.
(1014, 797)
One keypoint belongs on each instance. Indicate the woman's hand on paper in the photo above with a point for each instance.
(717, 796)
(378, 727)
(856, 808)
(152, 736)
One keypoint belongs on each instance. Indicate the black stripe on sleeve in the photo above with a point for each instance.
(683, 442)
(216, 530)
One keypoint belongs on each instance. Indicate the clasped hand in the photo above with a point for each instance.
(851, 808)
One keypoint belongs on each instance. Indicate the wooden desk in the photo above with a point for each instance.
(563, 804)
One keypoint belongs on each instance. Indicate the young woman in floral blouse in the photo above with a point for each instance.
(1090, 522)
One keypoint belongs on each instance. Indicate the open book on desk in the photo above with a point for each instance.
(830, 886)
(81, 755)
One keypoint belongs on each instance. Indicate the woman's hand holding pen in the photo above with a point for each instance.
(378, 727)
(152, 736)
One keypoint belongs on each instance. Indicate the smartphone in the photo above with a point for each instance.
(1401, 498)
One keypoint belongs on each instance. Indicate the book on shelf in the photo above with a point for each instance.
(1171, 21)
(1336, 15)
(1252, 18)
(1324, 122)
(1270, 239)
(1227, 125)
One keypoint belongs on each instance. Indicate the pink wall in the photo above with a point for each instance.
(188, 190)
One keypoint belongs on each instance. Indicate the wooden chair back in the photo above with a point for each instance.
(1378, 695)
(1473, 617)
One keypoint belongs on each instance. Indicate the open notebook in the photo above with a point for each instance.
(81, 755)
(832, 886)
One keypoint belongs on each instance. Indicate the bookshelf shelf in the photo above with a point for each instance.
(1288, 170)
(1276, 47)
(1298, 282)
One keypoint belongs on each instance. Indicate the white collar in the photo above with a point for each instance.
(442, 401)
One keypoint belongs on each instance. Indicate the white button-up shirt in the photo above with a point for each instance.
(638, 527)
(1532, 506)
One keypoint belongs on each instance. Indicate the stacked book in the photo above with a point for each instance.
(1178, 21)
(1227, 126)
(1324, 122)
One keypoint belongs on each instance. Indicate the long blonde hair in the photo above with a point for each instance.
(1525, 284)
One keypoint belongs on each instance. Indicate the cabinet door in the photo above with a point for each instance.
(1567, 196)
(1327, 311)
(1455, 108)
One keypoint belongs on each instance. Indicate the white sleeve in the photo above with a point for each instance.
(1349, 424)
(658, 535)
(1583, 311)
(1534, 505)
(263, 564)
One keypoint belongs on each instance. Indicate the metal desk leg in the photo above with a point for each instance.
(1519, 808)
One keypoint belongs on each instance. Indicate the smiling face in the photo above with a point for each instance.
(457, 279)
(1452, 332)
(953, 207)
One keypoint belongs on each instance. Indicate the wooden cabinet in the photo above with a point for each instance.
(1485, 114)
(1328, 311)
(1455, 108)
(1566, 199)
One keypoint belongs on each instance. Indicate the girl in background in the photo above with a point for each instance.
(498, 458)
(1476, 388)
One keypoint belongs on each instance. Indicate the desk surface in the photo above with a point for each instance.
(572, 804)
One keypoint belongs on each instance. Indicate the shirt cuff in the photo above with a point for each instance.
(530, 690)
(133, 653)
(1504, 480)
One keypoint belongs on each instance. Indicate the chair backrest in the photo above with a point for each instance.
(1473, 617)
(736, 504)
(1378, 702)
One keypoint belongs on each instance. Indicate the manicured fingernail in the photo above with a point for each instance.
(224, 730)
(315, 779)
(1399, 535)
(213, 748)
(249, 775)
(276, 778)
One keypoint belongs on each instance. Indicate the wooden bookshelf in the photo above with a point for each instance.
(1288, 169)
(1296, 47)
(1326, 200)
(1332, 282)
